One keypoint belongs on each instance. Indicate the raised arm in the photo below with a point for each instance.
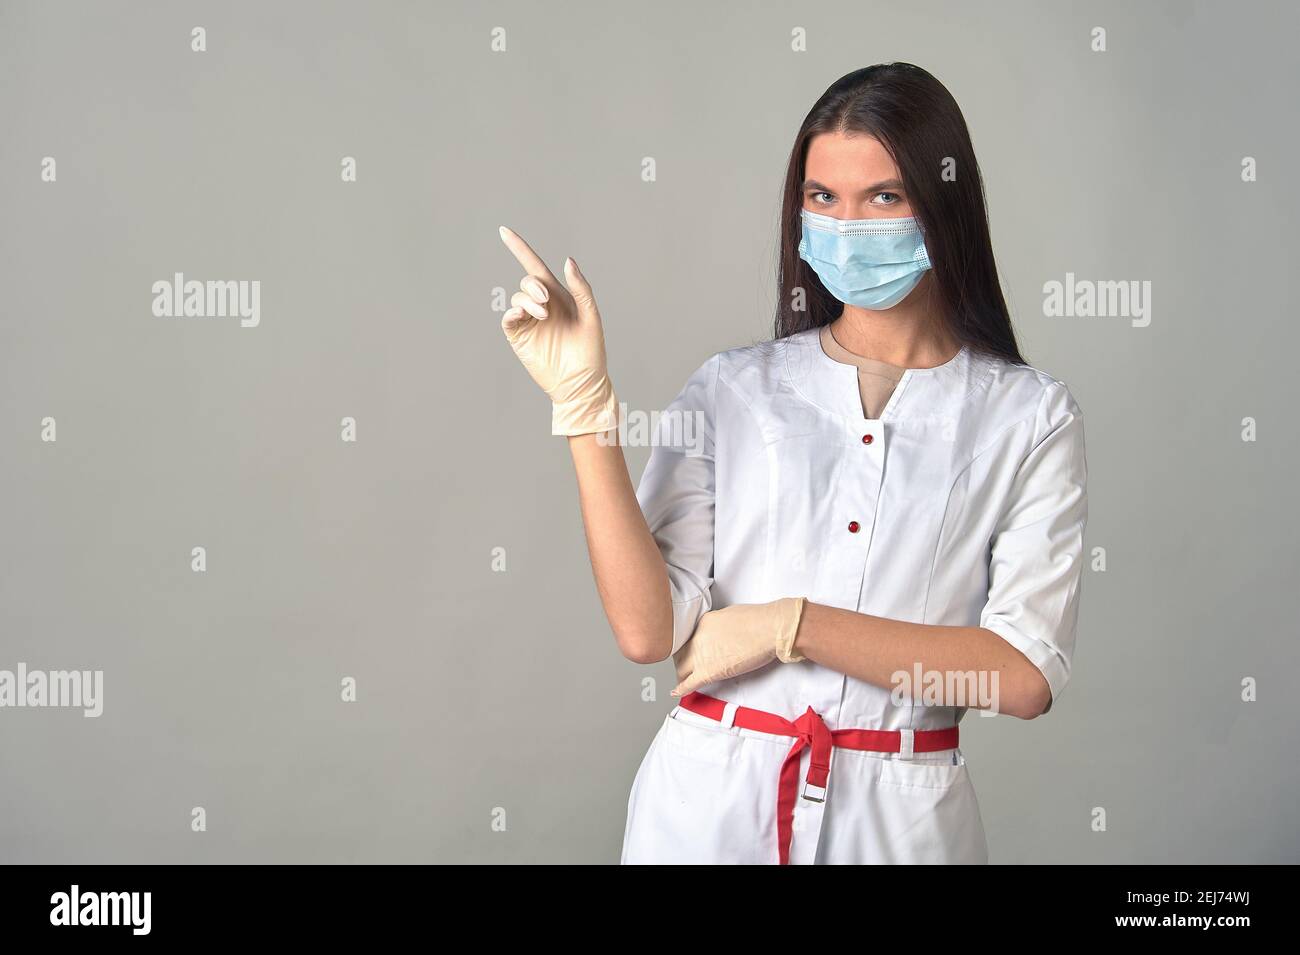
(557, 334)
(630, 573)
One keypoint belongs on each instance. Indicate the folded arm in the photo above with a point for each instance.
(876, 649)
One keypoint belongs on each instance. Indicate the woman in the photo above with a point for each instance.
(880, 526)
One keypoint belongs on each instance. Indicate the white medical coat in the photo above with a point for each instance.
(968, 498)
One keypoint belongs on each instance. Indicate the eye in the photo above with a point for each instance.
(893, 198)
(818, 194)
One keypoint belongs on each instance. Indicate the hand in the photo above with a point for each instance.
(738, 639)
(556, 333)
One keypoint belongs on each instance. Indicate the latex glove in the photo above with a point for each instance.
(556, 333)
(737, 639)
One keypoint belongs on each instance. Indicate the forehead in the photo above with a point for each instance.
(848, 160)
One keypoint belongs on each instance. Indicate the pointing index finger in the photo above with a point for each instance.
(523, 252)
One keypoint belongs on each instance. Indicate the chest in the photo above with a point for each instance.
(859, 513)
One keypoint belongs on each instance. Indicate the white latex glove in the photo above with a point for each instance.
(556, 333)
(738, 639)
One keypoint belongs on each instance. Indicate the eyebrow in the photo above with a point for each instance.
(875, 187)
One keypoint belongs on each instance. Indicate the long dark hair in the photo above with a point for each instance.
(916, 119)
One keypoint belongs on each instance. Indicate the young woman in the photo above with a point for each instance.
(880, 524)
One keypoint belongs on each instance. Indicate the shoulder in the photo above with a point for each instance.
(762, 367)
(1028, 388)
(1030, 400)
(743, 370)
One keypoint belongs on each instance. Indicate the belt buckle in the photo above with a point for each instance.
(822, 789)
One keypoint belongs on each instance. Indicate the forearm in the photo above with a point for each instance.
(630, 573)
(875, 649)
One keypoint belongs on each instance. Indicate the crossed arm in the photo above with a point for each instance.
(873, 649)
(632, 580)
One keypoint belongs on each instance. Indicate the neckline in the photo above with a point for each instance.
(833, 385)
(869, 366)
(952, 363)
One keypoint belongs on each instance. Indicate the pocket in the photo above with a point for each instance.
(927, 813)
(697, 737)
(695, 801)
(918, 774)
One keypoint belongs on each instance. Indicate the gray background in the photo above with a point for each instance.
(372, 560)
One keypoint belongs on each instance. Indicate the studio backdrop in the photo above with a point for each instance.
(312, 549)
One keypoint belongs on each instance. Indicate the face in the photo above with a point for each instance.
(851, 176)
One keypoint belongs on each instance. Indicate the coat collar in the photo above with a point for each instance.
(833, 386)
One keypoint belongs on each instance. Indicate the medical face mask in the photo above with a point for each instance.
(871, 263)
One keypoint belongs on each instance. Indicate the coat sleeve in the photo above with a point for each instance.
(1037, 557)
(676, 494)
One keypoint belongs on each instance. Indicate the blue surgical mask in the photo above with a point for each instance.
(871, 263)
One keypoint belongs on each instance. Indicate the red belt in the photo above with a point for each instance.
(809, 731)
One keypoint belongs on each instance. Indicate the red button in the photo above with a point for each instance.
(867, 439)
(853, 527)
